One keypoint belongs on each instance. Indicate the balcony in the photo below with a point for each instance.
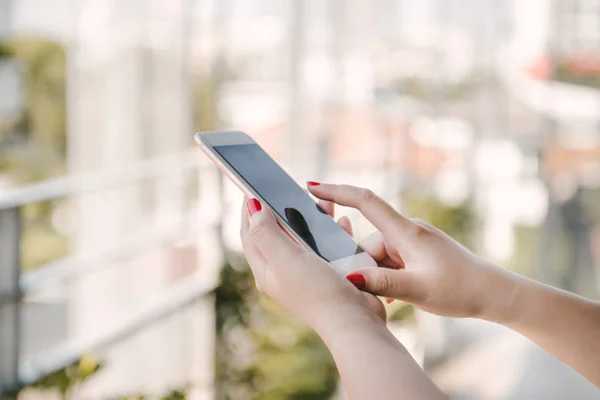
(116, 303)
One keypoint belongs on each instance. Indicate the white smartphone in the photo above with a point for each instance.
(258, 175)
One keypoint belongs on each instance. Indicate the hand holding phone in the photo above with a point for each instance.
(258, 175)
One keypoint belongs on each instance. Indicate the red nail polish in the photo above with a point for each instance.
(313, 183)
(389, 300)
(253, 206)
(357, 280)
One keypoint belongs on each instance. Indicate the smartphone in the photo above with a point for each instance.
(258, 175)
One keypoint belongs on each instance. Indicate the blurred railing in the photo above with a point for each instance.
(15, 284)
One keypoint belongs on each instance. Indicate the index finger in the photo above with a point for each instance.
(387, 220)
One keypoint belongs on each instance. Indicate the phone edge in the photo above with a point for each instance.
(344, 265)
(247, 191)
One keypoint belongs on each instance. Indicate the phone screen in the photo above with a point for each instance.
(289, 201)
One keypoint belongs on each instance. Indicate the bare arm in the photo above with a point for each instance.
(566, 325)
(427, 268)
(371, 362)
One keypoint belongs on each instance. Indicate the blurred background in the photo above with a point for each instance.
(120, 268)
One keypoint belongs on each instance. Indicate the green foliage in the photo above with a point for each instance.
(31, 162)
(261, 352)
(44, 119)
(41, 152)
(65, 382)
(564, 74)
(175, 394)
(66, 379)
(6, 50)
(41, 244)
(43, 123)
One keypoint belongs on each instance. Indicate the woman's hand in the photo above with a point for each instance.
(420, 264)
(297, 279)
(371, 362)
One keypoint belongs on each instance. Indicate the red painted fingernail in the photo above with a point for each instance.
(389, 301)
(313, 183)
(253, 206)
(357, 280)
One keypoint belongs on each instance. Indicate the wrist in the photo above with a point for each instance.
(330, 322)
(501, 296)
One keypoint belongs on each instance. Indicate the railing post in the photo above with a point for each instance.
(9, 290)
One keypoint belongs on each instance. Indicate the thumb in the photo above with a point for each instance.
(399, 284)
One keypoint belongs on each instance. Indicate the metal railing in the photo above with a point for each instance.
(15, 285)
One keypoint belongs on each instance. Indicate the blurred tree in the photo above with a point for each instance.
(68, 379)
(579, 70)
(63, 382)
(6, 50)
(261, 352)
(44, 118)
(40, 151)
(175, 394)
(43, 122)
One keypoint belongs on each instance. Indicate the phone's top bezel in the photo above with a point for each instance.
(223, 138)
(213, 139)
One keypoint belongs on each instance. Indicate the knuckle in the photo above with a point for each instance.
(384, 283)
(426, 225)
(367, 196)
(420, 231)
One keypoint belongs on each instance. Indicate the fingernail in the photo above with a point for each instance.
(313, 183)
(389, 301)
(357, 280)
(253, 206)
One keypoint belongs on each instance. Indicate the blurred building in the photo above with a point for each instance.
(128, 101)
(578, 22)
(455, 98)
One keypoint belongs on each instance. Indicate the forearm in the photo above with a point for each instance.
(566, 325)
(373, 364)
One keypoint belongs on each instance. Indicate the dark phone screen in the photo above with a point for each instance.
(289, 200)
